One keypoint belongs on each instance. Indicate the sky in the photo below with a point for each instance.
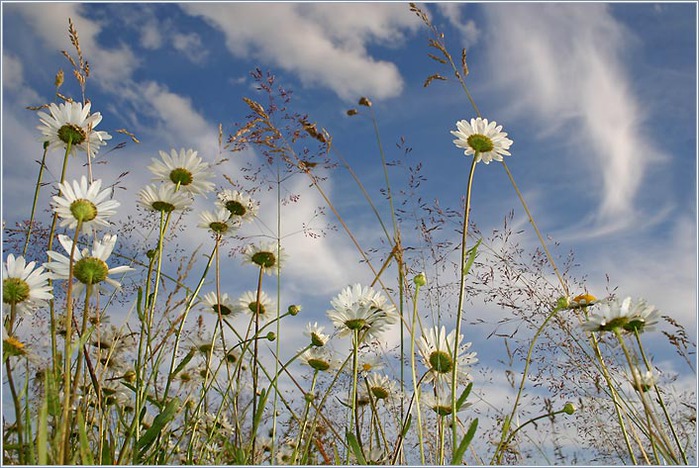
(599, 99)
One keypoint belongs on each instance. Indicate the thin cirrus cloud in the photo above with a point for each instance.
(322, 46)
(568, 72)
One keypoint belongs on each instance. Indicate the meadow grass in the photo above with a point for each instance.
(126, 371)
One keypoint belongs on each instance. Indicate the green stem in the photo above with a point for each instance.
(15, 400)
(416, 390)
(661, 401)
(37, 188)
(460, 305)
(497, 457)
(255, 376)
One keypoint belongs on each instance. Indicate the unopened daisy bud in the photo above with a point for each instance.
(271, 336)
(309, 396)
(562, 303)
(294, 309)
(130, 376)
(569, 408)
(151, 253)
(364, 101)
(420, 280)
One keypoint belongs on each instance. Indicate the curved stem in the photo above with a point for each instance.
(497, 457)
(413, 366)
(37, 188)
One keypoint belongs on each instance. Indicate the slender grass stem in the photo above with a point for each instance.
(37, 188)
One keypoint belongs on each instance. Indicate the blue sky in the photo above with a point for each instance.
(600, 100)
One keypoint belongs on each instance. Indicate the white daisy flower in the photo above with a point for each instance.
(612, 314)
(439, 403)
(315, 333)
(85, 203)
(239, 205)
(369, 362)
(70, 121)
(248, 303)
(485, 140)
(265, 256)
(164, 198)
(319, 359)
(89, 267)
(23, 286)
(225, 305)
(644, 317)
(383, 387)
(184, 169)
(205, 345)
(437, 350)
(363, 309)
(220, 223)
(642, 381)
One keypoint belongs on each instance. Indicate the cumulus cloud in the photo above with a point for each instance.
(468, 29)
(322, 44)
(570, 75)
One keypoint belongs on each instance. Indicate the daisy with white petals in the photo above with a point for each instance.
(239, 205)
(265, 256)
(383, 388)
(315, 333)
(613, 314)
(212, 304)
(164, 198)
(437, 350)
(439, 403)
(363, 310)
(84, 203)
(184, 169)
(248, 303)
(219, 223)
(318, 359)
(72, 122)
(89, 267)
(484, 139)
(24, 287)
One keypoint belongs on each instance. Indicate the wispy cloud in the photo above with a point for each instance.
(50, 21)
(568, 72)
(321, 45)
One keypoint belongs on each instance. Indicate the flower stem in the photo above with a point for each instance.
(661, 401)
(253, 429)
(497, 457)
(460, 305)
(416, 389)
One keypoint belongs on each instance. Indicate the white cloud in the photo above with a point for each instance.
(322, 44)
(468, 30)
(190, 46)
(570, 75)
(151, 37)
(50, 21)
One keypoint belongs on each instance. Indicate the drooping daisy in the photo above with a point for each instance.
(361, 309)
(265, 256)
(84, 203)
(319, 359)
(24, 287)
(212, 304)
(164, 198)
(239, 205)
(184, 169)
(219, 223)
(89, 267)
(71, 122)
(612, 314)
(248, 303)
(437, 350)
(484, 139)
(315, 333)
